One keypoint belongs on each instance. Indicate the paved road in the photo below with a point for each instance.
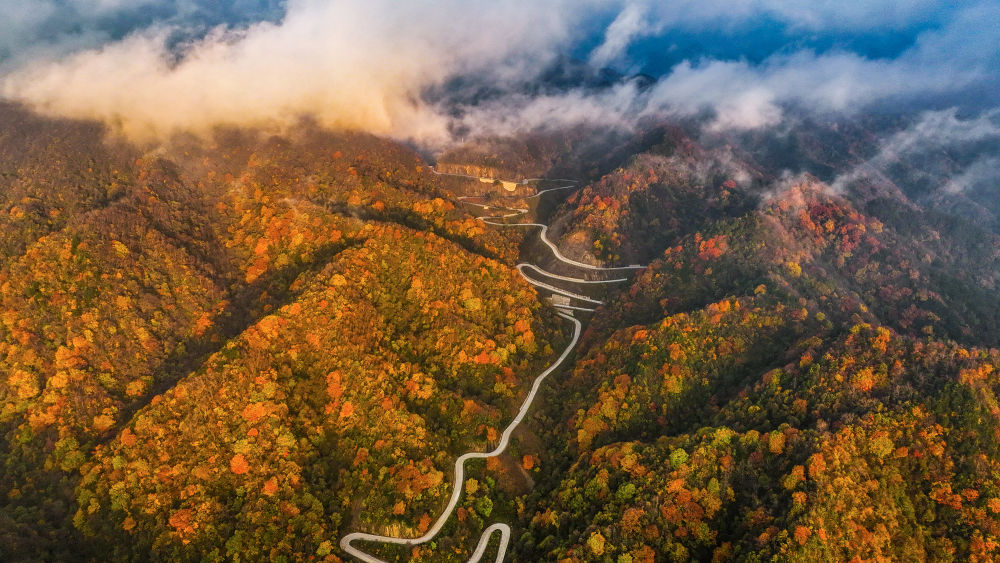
(484, 541)
(480, 178)
(346, 543)
(567, 278)
(574, 308)
(559, 290)
(522, 182)
(555, 250)
(498, 221)
(457, 485)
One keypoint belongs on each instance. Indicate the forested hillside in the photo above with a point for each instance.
(245, 347)
(216, 340)
(800, 374)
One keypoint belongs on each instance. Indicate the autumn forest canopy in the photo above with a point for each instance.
(264, 277)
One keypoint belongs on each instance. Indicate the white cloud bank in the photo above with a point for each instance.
(365, 64)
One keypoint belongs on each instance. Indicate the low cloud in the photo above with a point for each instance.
(968, 145)
(48, 29)
(942, 129)
(348, 64)
(983, 171)
(370, 64)
(631, 23)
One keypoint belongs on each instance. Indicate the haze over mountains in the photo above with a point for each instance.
(267, 269)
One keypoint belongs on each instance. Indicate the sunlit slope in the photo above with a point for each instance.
(112, 302)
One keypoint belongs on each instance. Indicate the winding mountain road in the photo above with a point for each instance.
(548, 274)
(564, 311)
(555, 250)
(456, 494)
(559, 290)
